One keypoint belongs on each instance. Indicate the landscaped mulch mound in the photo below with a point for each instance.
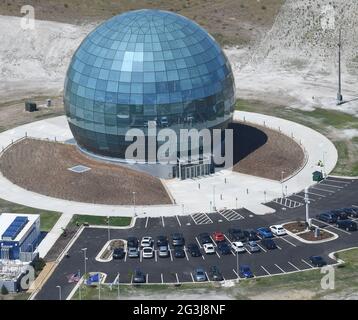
(42, 167)
(264, 152)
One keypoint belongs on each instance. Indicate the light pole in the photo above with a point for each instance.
(307, 210)
(237, 265)
(282, 173)
(236, 202)
(109, 231)
(85, 259)
(59, 292)
(214, 207)
(324, 164)
(135, 213)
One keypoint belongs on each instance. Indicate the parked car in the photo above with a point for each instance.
(194, 250)
(269, 244)
(139, 277)
(348, 225)
(148, 252)
(209, 248)
(162, 241)
(245, 271)
(179, 252)
(224, 248)
(252, 247)
(238, 246)
(118, 253)
(177, 239)
(317, 261)
(146, 242)
(278, 230)
(250, 235)
(327, 217)
(215, 274)
(205, 238)
(133, 252)
(352, 212)
(163, 251)
(132, 242)
(341, 214)
(200, 275)
(264, 232)
(218, 236)
(236, 234)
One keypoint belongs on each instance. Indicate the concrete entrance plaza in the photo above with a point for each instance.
(220, 190)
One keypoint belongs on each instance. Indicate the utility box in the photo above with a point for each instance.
(317, 176)
(30, 106)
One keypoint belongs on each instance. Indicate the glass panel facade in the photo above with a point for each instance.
(141, 66)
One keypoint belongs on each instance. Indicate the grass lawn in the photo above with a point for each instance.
(300, 285)
(100, 220)
(15, 296)
(330, 123)
(48, 218)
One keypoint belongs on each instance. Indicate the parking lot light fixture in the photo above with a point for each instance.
(85, 259)
(307, 208)
(109, 231)
(59, 292)
(282, 173)
(237, 265)
(214, 207)
(134, 208)
(236, 202)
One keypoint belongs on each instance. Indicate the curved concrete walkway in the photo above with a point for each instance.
(249, 191)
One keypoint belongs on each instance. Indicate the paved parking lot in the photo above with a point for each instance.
(291, 255)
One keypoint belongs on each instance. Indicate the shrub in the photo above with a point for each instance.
(4, 290)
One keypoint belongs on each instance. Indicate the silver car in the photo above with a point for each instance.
(163, 251)
(133, 252)
(200, 275)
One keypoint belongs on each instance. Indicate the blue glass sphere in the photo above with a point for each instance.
(146, 65)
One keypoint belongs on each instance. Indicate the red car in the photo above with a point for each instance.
(218, 236)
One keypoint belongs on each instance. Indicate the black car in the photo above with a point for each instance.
(251, 235)
(194, 250)
(179, 252)
(317, 261)
(132, 242)
(348, 225)
(118, 253)
(215, 274)
(162, 241)
(352, 212)
(139, 277)
(224, 248)
(328, 217)
(269, 244)
(205, 238)
(177, 239)
(340, 213)
(236, 234)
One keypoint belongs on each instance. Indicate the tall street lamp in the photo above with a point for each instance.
(85, 259)
(59, 292)
(135, 213)
(282, 173)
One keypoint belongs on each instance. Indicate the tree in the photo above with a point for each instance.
(4, 290)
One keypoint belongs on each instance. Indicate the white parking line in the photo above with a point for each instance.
(147, 278)
(214, 242)
(131, 279)
(307, 263)
(217, 253)
(146, 223)
(262, 248)
(278, 267)
(247, 251)
(203, 257)
(207, 277)
(325, 190)
(155, 256)
(125, 257)
(198, 243)
(317, 194)
(263, 268)
(290, 263)
(192, 278)
(140, 256)
(186, 254)
(178, 221)
(161, 277)
(163, 222)
(235, 273)
(284, 239)
(170, 253)
(331, 226)
(331, 185)
(176, 275)
(278, 247)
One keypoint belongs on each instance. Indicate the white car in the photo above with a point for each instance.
(238, 246)
(147, 252)
(209, 248)
(278, 230)
(146, 242)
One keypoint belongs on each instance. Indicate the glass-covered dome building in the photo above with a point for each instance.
(146, 65)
